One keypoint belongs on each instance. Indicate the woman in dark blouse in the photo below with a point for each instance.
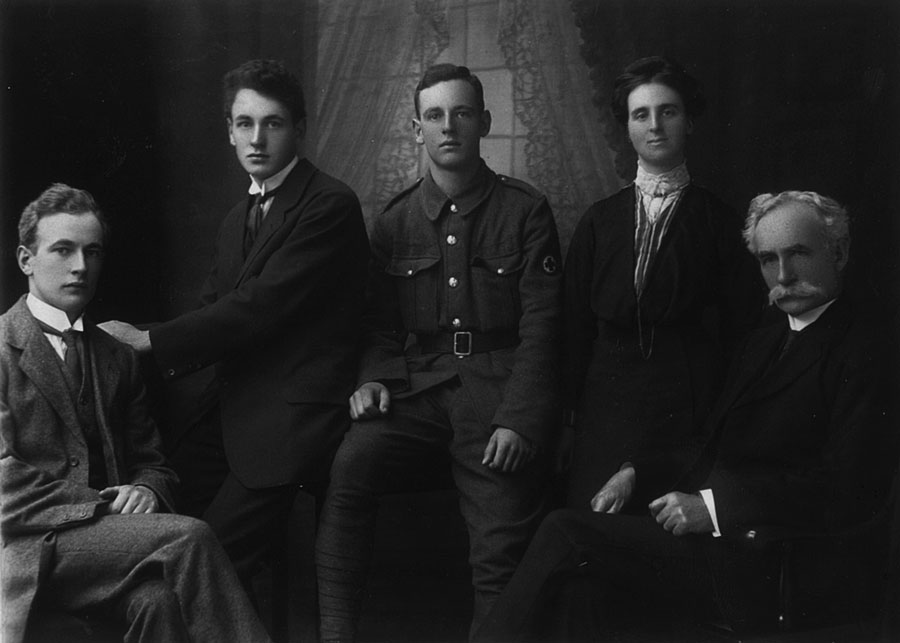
(658, 288)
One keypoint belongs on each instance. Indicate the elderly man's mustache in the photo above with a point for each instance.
(800, 289)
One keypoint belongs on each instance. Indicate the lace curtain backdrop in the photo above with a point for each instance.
(567, 152)
(372, 54)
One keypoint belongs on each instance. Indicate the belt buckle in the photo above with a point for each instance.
(463, 338)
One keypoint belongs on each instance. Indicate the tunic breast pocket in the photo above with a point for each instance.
(496, 289)
(415, 279)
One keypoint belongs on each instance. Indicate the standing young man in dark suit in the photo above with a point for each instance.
(84, 486)
(467, 261)
(280, 317)
(801, 439)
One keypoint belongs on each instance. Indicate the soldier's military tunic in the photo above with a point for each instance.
(463, 328)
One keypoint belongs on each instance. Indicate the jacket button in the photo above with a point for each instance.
(456, 322)
(499, 271)
(453, 282)
(171, 372)
(453, 208)
(73, 461)
(451, 239)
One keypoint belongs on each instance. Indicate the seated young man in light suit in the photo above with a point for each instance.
(84, 485)
(801, 440)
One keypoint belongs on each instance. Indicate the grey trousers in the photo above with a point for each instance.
(164, 575)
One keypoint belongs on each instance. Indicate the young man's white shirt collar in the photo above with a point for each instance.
(273, 181)
(55, 318)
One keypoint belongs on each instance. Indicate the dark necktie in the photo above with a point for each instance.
(255, 216)
(74, 343)
(791, 337)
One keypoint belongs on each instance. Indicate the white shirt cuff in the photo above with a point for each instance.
(710, 503)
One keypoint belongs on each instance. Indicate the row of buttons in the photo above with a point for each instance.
(453, 282)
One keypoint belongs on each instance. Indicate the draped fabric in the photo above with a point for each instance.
(371, 56)
(568, 154)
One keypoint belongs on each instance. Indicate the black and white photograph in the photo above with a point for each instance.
(450, 321)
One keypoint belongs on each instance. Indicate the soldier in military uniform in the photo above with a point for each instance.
(460, 356)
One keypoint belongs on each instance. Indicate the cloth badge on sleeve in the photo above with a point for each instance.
(550, 265)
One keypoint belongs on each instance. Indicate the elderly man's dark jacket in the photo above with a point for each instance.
(804, 441)
(282, 325)
(501, 247)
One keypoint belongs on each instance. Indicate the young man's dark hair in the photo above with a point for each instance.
(282, 305)
(58, 198)
(656, 69)
(443, 392)
(446, 71)
(268, 77)
(88, 518)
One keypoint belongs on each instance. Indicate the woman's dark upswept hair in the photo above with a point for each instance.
(656, 69)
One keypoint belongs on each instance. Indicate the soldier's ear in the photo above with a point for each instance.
(485, 128)
(417, 130)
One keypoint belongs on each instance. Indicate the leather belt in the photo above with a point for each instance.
(463, 343)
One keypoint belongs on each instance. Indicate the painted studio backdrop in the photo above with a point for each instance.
(122, 98)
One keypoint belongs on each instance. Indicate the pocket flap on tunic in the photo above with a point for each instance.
(410, 266)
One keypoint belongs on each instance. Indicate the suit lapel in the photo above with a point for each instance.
(807, 350)
(104, 376)
(286, 197)
(42, 366)
(758, 353)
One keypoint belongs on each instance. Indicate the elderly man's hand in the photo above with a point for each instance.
(682, 513)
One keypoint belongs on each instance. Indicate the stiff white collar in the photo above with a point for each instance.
(273, 181)
(52, 316)
(803, 320)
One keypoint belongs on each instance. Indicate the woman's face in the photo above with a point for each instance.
(658, 126)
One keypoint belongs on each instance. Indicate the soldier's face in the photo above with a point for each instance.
(450, 125)
(64, 265)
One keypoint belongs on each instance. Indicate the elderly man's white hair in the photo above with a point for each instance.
(833, 214)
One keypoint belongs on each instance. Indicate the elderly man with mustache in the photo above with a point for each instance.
(801, 439)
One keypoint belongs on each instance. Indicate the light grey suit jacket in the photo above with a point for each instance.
(44, 456)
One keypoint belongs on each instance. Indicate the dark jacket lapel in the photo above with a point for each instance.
(753, 360)
(808, 348)
(104, 377)
(41, 364)
(286, 197)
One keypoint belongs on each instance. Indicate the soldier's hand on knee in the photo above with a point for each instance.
(508, 451)
(372, 399)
